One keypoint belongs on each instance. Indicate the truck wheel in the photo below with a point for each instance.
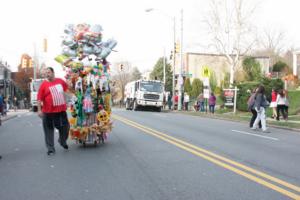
(135, 106)
(34, 109)
(159, 109)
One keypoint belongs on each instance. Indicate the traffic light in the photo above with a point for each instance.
(171, 55)
(121, 67)
(24, 63)
(177, 47)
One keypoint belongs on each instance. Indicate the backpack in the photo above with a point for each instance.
(251, 101)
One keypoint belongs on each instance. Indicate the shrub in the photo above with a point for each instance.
(244, 93)
(252, 69)
(187, 86)
(279, 66)
(271, 83)
(245, 89)
(212, 80)
(197, 87)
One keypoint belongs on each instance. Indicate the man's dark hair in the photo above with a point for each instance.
(51, 69)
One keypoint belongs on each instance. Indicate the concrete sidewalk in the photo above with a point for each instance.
(12, 114)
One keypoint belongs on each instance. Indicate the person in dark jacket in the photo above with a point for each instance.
(251, 108)
(169, 101)
(260, 105)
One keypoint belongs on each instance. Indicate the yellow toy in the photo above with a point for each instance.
(102, 116)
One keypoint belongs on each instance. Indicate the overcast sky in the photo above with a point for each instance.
(142, 37)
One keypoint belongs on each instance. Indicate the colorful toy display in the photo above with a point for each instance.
(83, 58)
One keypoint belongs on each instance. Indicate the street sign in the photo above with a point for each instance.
(206, 81)
(189, 75)
(205, 71)
(229, 97)
(206, 93)
(180, 80)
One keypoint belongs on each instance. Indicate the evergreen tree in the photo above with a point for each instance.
(252, 69)
(212, 80)
(279, 66)
(197, 87)
(135, 74)
(158, 73)
(187, 86)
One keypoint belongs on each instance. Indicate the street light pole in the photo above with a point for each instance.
(173, 77)
(174, 50)
(164, 61)
(180, 79)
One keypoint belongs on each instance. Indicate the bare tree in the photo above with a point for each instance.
(120, 77)
(272, 43)
(231, 31)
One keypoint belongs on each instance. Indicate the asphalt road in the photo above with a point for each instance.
(151, 155)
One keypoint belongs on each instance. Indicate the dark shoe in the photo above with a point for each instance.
(65, 146)
(50, 153)
(0, 157)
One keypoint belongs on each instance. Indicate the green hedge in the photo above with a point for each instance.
(294, 101)
(244, 93)
(245, 89)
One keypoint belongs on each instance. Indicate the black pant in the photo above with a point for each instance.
(59, 121)
(254, 115)
(283, 110)
(186, 105)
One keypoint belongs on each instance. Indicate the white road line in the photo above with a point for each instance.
(159, 115)
(256, 135)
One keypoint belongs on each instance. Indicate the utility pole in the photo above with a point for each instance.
(180, 79)
(174, 61)
(164, 61)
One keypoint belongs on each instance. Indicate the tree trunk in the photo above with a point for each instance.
(231, 74)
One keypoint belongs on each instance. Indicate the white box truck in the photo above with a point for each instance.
(144, 93)
(34, 88)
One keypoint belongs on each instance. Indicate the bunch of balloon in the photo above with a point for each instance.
(87, 70)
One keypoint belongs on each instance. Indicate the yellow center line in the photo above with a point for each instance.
(212, 157)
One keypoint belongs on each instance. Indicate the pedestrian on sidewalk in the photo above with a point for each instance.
(15, 103)
(1, 104)
(273, 104)
(186, 100)
(52, 109)
(281, 105)
(260, 105)
(169, 101)
(201, 102)
(175, 104)
(212, 103)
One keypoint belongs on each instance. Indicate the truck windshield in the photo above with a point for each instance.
(152, 86)
(36, 85)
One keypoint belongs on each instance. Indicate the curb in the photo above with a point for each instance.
(236, 120)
